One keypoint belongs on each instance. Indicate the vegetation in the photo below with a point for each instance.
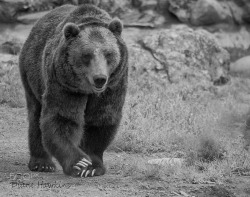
(11, 90)
(204, 128)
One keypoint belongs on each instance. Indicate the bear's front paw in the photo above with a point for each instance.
(84, 168)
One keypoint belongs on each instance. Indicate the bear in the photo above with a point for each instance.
(74, 70)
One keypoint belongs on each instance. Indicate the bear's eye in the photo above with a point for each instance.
(109, 57)
(86, 58)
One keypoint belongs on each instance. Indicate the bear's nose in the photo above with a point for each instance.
(100, 80)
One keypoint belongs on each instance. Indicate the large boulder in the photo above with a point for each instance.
(241, 67)
(181, 56)
(208, 12)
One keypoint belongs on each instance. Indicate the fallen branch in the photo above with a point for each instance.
(140, 25)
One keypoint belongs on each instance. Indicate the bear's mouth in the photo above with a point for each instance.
(99, 90)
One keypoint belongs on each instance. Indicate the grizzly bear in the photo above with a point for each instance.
(74, 69)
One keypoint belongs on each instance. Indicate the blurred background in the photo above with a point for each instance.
(227, 20)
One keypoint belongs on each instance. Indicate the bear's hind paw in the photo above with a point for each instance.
(41, 165)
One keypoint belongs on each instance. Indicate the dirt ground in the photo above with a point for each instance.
(17, 180)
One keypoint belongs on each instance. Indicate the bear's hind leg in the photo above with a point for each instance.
(40, 160)
(94, 143)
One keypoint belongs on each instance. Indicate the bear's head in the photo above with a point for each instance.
(88, 55)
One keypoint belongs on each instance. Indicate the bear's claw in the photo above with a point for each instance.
(84, 162)
(43, 168)
(93, 172)
(77, 168)
(86, 173)
(41, 165)
(84, 168)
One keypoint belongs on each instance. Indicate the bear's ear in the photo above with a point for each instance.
(116, 26)
(71, 30)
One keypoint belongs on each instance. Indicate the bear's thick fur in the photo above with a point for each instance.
(74, 69)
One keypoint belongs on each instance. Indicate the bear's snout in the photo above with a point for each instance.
(100, 81)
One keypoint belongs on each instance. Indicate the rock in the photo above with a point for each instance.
(237, 43)
(10, 47)
(148, 5)
(167, 162)
(5, 59)
(135, 11)
(236, 11)
(116, 7)
(183, 56)
(246, 16)
(9, 10)
(241, 67)
(245, 6)
(184, 194)
(234, 39)
(136, 3)
(207, 12)
(45, 5)
(154, 11)
(10, 44)
(181, 9)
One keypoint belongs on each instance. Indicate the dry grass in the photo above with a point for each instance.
(11, 90)
(205, 129)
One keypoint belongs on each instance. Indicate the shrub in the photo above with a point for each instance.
(11, 90)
